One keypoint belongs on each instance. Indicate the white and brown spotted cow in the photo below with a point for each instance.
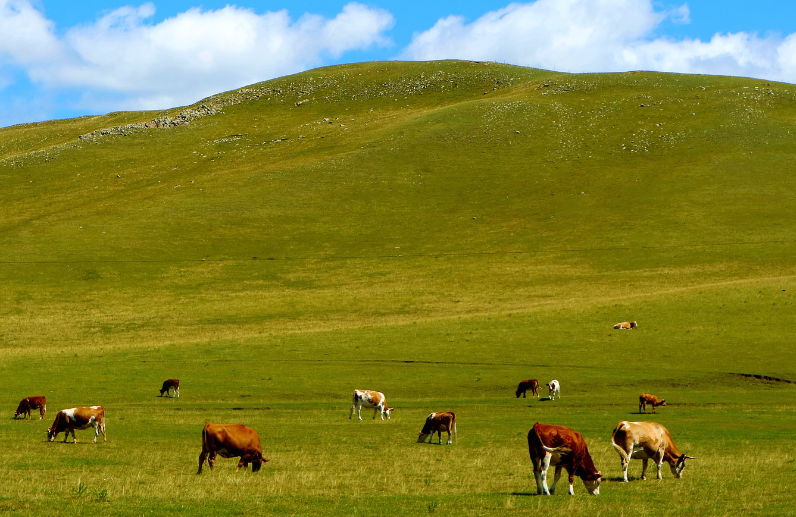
(369, 398)
(626, 325)
(67, 420)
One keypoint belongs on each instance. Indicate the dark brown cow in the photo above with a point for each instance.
(231, 441)
(645, 441)
(170, 384)
(436, 423)
(563, 448)
(528, 384)
(28, 404)
(652, 400)
(67, 420)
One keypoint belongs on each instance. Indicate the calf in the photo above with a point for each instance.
(553, 389)
(436, 423)
(67, 420)
(528, 384)
(626, 325)
(645, 441)
(171, 384)
(652, 400)
(369, 398)
(231, 441)
(562, 448)
(28, 404)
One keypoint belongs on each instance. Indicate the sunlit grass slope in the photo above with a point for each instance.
(438, 231)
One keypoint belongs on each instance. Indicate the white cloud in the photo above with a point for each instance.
(180, 59)
(601, 36)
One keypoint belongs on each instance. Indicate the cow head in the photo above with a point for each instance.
(592, 482)
(257, 461)
(518, 393)
(16, 414)
(422, 437)
(662, 403)
(679, 466)
(388, 410)
(51, 434)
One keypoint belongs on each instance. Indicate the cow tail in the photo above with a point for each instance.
(620, 450)
(455, 434)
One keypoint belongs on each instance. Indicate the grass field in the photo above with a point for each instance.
(436, 231)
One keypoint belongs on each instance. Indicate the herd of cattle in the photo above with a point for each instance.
(548, 445)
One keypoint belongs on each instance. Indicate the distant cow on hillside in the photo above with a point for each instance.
(171, 384)
(553, 389)
(652, 400)
(626, 325)
(28, 404)
(528, 384)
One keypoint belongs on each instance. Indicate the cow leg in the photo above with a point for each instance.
(450, 440)
(644, 468)
(211, 461)
(178, 392)
(545, 466)
(243, 464)
(556, 477)
(537, 475)
(659, 463)
(571, 481)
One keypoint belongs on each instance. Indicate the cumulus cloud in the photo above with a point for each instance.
(135, 64)
(601, 36)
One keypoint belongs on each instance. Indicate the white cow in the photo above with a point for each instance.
(369, 398)
(553, 389)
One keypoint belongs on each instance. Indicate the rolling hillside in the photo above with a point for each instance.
(354, 226)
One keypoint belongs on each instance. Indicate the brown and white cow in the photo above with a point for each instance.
(645, 441)
(528, 384)
(369, 398)
(562, 448)
(67, 420)
(436, 423)
(28, 404)
(231, 441)
(171, 384)
(652, 400)
(626, 325)
(553, 389)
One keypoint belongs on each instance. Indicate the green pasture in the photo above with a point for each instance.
(436, 231)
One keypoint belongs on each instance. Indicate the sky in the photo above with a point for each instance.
(66, 59)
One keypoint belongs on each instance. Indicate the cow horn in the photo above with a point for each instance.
(688, 457)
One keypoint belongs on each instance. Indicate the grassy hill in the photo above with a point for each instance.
(437, 231)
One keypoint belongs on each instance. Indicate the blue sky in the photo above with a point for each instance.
(64, 59)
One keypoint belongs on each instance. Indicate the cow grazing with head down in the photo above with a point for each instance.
(553, 389)
(231, 441)
(67, 420)
(652, 400)
(562, 448)
(28, 404)
(369, 398)
(528, 384)
(645, 441)
(171, 384)
(625, 325)
(436, 423)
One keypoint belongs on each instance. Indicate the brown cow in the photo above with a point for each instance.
(67, 420)
(528, 384)
(652, 400)
(626, 325)
(645, 441)
(231, 441)
(370, 398)
(563, 448)
(170, 384)
(436, 423)
(28, 404)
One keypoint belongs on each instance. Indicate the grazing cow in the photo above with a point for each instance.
(369, 398)
(626, 325)
(231, 441)
(553, 389)
(436, 423)
(528, 384)
(168, 385)
(645, 441)
(67, 420)
(28, 404)
(562, 448)
(652, 400)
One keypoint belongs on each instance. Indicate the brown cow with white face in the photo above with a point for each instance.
(436, 423)
(561, 447)
(28, 404)
(625, 325)
(171, 384)
(67, 420)
(528, 384)
(645, 441)
(370, 398)
(231, 441)
(652, 400)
